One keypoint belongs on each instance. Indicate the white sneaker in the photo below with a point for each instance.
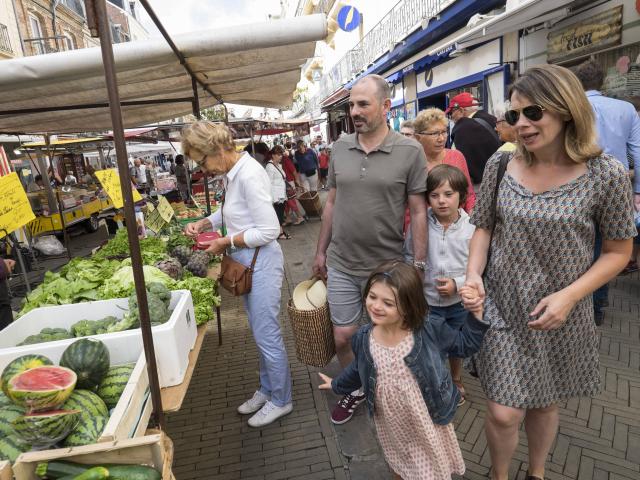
(269, 413)
(254, 404)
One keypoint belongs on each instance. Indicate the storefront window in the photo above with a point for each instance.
(475, 90)
(395, 117)
(622, 71)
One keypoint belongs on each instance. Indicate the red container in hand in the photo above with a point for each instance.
(205, 237)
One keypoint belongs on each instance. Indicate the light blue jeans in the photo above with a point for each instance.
(263, 307)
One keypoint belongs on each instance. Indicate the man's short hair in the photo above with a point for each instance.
(590, 75)
(383, 89)
(299, 143)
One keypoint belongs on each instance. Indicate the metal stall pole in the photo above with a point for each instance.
(99, 25)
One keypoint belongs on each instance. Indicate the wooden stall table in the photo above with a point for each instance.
(172, 397)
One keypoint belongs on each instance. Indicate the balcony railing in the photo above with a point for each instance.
(404, 18)
(5, 41)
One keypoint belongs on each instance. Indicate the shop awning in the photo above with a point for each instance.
(246, 127)
(338, 97)
(256, 64)
(529, 12)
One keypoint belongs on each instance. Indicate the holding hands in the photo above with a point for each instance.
(472, 301)
(326, 385)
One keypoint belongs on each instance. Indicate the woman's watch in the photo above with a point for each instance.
(420, 265)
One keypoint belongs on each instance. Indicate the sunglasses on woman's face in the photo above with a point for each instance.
(532, 112)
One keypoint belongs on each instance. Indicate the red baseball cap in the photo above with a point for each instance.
(462, 100)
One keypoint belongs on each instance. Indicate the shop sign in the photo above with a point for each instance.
(111, 183)
(590, 35)
(15, 209)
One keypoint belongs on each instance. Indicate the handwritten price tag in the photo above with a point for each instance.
(111, 183)
(155, 221)
(165, 209)
(15, 209)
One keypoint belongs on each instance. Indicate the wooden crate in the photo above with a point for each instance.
(152, 450)
(131, 415)
(5, 471)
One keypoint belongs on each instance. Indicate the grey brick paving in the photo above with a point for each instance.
(599, 438)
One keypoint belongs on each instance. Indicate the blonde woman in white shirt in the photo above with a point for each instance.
(250, 222)
(277, 177)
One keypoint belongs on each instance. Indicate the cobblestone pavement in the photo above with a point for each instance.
(599, 438)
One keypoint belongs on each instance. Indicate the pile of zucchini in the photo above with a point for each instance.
(60, 470)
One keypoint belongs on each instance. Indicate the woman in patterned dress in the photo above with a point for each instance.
(542, 346)
(400, 364)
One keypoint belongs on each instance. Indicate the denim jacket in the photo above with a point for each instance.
(427, 362)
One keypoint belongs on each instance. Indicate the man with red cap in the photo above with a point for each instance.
(473, 134)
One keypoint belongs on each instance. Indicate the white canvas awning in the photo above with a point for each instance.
(254, 64)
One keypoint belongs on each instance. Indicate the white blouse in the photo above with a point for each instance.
(278, 186)
(248, 207)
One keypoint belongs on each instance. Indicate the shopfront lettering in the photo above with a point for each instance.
(574, 41)
(598, 32)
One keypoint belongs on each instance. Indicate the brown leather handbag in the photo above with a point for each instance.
(235, 277)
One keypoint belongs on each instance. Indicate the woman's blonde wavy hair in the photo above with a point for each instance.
(208, 138)
(558, 90)
(426, 118)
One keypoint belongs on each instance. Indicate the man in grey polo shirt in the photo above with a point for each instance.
(373, 175)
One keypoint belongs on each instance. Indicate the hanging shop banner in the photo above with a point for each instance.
(590, 35)
(110, 181)
(15, 209)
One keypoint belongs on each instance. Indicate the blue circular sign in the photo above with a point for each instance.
(349, 18)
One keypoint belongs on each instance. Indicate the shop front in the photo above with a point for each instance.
(479, 71)
(397, 114)
(608, 33)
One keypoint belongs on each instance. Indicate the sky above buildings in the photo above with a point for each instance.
(191, 15)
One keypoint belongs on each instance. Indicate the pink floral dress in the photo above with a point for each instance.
(414, 447)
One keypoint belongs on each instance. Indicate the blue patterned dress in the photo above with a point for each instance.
(541, 244)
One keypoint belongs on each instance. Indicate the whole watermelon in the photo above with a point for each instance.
(19, 365)
(113, 384)
(88, 403)
(4, 400)
(11, 447)
(87, 431)
(41, 388)
(7, 415)
(89, 358)
(47, 428)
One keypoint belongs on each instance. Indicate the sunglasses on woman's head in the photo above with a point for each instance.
(532, 112)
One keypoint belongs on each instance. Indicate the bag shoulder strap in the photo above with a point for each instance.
(255, 257)
(502, 168)
(276, 167)
(486, 125)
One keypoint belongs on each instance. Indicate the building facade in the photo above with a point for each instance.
(10, 41)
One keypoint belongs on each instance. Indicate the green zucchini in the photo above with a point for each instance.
(59, 469)
(132, 472)
(95, 473)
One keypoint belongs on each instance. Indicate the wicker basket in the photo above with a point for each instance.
(311, 203)
(313, 334)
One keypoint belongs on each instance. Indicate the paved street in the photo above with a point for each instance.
(599, 438)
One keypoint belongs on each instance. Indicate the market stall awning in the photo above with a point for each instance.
(248, 127)
(62, 142)
(255, 64)
(527, 13)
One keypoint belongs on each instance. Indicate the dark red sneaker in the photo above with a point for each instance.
(343, 411)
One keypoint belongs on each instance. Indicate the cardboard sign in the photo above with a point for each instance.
(155, 221)
(111, 183)
(15, 209)
(165, 209)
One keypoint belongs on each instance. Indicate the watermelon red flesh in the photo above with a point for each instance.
(42, 388)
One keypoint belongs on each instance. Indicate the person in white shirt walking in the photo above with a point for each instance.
(277, 178)
(250, 222)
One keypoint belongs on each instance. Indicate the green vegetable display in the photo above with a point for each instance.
(85, 328)
(47, 335)
(202, 294)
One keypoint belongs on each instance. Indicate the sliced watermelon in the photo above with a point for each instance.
(43, 429)
(19, 365)
(42, 388)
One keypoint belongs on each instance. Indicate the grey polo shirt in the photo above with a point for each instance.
(371, 197)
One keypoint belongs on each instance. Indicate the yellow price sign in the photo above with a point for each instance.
(111, 183)
(155, 221)
(15, 209)
(165, 209)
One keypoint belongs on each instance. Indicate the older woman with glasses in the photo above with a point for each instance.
(249, 218)
(430, 129)
(558, 189)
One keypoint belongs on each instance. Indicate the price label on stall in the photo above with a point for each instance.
(155, 221)
(15, 209)
(165, 209)
(110, 181)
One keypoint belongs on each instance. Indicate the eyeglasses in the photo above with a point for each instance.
(532, 112)
(441, 133)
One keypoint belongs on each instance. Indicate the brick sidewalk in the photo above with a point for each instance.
(599, 438)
